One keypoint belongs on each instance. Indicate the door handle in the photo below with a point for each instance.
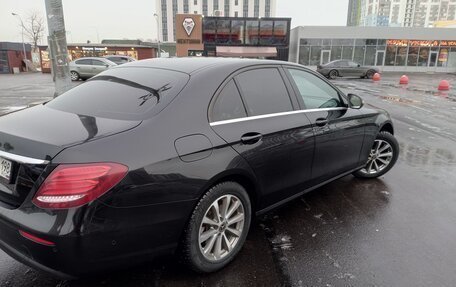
(251, 138)
(321, 122)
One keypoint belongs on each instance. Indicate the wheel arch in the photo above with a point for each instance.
(246, 180)
(387, 127)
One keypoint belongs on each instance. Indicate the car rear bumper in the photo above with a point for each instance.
(80, 247)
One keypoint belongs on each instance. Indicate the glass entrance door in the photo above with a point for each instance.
(379, 58)
(325, 57)
(433, 56)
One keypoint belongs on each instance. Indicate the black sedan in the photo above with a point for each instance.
(175, 154)
(346, 68)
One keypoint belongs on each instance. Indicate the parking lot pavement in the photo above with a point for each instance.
(397, 230)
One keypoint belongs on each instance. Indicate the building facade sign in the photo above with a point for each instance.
(420, 43)
(189, 34)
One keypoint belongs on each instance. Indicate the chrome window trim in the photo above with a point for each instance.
(22, 159)
(218, 123)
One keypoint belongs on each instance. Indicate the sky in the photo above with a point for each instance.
(103, 19)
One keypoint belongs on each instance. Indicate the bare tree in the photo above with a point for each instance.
(34, 28)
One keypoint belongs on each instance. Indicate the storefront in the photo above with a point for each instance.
(391, 49)
(76, 51)
(233, 37)
(12, 56)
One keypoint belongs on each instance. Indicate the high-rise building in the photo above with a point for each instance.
(167, 10)
(354, 12)
(400, 13)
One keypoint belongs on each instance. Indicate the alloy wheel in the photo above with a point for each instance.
(221, 227)
(74, 76)
(380, 157)
(333, 74)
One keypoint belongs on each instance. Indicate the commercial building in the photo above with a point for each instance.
(12, 56)
(389, 48)
(232, 37)
(75, 51)
(168, 9)
(400, 13)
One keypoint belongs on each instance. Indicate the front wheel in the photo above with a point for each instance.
(333, 74)
(74, 76)
(218, 228)
(382, 156)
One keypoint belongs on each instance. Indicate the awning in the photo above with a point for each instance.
(248, 52)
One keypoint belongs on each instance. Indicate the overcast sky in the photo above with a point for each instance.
(84, 19)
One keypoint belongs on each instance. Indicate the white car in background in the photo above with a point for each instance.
(84, 68)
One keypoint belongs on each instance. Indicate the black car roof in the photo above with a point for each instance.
(191, 65)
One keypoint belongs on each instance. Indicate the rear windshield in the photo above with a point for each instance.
(130, 93)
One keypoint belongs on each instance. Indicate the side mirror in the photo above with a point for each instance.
(359, 65)
(355, 102)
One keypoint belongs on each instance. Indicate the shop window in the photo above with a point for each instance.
(369, 59)
(223, 31)
(251, 35)
(315, 54)
(209, 31)
(401, 56)
(237, 32)
(390, 56)
(423, 57)
(342, 42)
(412, 56)
(359, 55)
(360, 42)
(266, 32)
(336, 53)
(304, 52)
(280, 32)
(443, 57)
(347, 52)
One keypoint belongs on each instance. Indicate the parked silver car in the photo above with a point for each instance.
(84, 68)
(119, 59)
(346, 68)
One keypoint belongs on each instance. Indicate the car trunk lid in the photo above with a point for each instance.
(31, 138)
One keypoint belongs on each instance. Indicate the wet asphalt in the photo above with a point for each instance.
(398, 230)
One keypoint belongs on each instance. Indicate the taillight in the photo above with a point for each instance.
(73, 185)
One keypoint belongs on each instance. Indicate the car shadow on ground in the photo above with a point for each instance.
(263, 261)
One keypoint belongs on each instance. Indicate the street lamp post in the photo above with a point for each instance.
(158, 35)
(23, 43)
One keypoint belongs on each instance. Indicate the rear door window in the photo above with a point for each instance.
(130, 93)
(98, 63)
(84, 62)
(228, 104)
(264, 92)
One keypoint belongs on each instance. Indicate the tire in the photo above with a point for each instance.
(208, 235)
(333, 74)
(377, 165)
(74, 76)
(370, 74)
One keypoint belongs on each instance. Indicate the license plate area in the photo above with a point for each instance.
(6, 168)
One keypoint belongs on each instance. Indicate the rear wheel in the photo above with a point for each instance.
(382, 156)
(74, 76)
(333, 74)
(218, 228)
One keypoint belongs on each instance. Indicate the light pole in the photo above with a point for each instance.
(23, 43)
(158, 35)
